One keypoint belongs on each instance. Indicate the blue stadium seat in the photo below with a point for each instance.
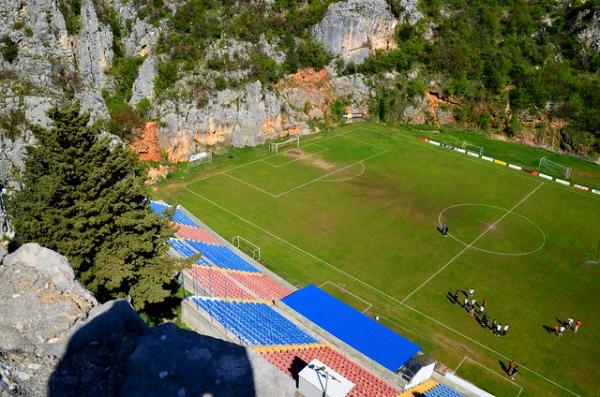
(181, 218)
(254, 323)
(185, 251)
(222, 256)
(158, 207)
(442, 391)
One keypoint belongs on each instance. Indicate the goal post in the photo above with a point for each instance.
(275, 146)
(473, 148)
(555, 168)
(249, 246)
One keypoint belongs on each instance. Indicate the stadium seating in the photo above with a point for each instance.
(180, 217)
(197, 234)
(366, 383)
(185, 251)
(158, 207)
(254, 323)
(217, 283)
(442, 391)
(222, 256)
(263, 286)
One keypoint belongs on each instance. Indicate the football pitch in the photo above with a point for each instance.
(356, 210)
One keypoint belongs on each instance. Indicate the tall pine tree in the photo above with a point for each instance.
(85, 198)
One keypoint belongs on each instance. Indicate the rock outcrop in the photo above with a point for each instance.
(56, 341)
(587, 27)
(355, 28)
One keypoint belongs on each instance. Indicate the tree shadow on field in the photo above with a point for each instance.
(115, 354)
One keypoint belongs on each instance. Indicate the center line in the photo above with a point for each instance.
(472, 243)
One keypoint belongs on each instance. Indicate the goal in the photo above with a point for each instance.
(555, 168)
(247, 246)
(274, 146)
(473, 148)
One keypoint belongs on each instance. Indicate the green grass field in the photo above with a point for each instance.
(356, 210)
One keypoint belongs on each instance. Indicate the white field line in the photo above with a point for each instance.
(325, 149)
(362, 171)
(328, 174)
(369, 286)
(471, 243)
(489, 165)
(303, 184)
(369, 304)
(361, 141)
(490, 349)
(250, 185)
(491, 370)
(314, 138)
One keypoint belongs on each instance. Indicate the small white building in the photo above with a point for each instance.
(318, 380)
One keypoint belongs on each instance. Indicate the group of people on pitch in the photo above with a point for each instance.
(471, 306)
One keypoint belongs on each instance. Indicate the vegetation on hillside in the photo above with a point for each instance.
(84, 197)
(199, 23)
(488, 54)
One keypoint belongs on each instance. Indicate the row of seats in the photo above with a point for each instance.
(185, 251)
(181, 217)
(217, 283)
(442, 391)
(178, 217)
(263, 286)
(366, 384)
(254, 323)
(157, 207)
(222, 256)
(197, 234)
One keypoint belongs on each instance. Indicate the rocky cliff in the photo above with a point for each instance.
(56, 340)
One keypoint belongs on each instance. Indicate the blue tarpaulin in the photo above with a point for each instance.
(369, 337)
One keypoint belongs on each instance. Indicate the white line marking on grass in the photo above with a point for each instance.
(489, 349)
(471, 243)
(487, 164)
(250, 184)
(328, 174)
(369, 304)
(489, 369)
(350, 177)
(440, 215)
(325, 149)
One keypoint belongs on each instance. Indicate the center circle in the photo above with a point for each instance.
(515, 234)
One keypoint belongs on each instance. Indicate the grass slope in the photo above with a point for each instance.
(357, 208)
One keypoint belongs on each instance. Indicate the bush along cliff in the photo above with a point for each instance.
(83, 196)
(194, 75)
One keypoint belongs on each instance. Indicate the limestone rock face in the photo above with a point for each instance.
(143, 87)
(244, 117)
(354, 28)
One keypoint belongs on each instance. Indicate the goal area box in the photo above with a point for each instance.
(276, 146)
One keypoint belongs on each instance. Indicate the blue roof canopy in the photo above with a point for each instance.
(369, 337)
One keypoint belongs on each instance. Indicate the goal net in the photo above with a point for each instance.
(275, 146)
(554, 168)
(247, 246)
(473, 148)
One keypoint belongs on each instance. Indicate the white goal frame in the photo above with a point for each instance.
(255, 248)
(466, 146)
(562, 170)
(274, 146)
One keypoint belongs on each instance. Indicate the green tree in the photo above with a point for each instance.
(85, 198)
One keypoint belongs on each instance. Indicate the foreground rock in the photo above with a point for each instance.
(56, 340)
